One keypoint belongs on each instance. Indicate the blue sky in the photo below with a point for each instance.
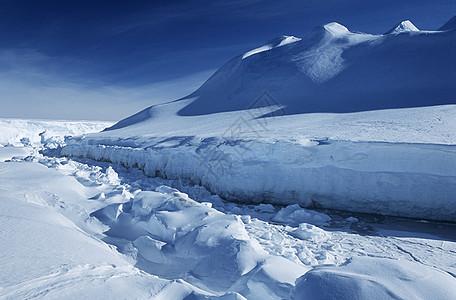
(108, 59)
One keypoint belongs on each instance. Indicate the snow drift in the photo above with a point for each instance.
(337, 119)
(374, 278)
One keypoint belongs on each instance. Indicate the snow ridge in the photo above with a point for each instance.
(450, 25)
(275, 43)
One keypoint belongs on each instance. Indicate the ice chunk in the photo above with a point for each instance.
(294, 215)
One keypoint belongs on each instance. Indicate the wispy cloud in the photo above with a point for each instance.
(199, 10)
(30, 90)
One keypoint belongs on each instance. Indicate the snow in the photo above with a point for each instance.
(77, 228)
(373, 278)
(44, 254)
(387, 162)
(317, 143)
(318, 122)
(334, 70)
(404, 26)
(278, 42)
(295, 215)
(336, 29)
(13, 130)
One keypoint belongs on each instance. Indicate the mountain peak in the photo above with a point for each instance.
(404, 26)
(450, 25)
(324, 32)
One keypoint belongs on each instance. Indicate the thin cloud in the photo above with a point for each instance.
(234, 9)
(28, 91)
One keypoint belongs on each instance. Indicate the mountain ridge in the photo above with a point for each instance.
(333, 70)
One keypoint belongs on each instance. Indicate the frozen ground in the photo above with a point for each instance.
(74, 227)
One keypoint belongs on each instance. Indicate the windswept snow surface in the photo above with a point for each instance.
(74, 228)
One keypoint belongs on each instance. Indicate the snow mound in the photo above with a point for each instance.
(404, 26)
(310, 232)
(375, 278)
(294, 215)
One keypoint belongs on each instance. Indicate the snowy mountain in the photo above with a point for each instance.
(349, 124)
(337, 119)
(335, 70)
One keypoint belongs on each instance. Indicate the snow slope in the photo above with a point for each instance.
(337, 119)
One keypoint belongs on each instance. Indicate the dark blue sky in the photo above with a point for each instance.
(152, 51)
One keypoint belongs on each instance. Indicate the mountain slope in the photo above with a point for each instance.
(335, 70)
